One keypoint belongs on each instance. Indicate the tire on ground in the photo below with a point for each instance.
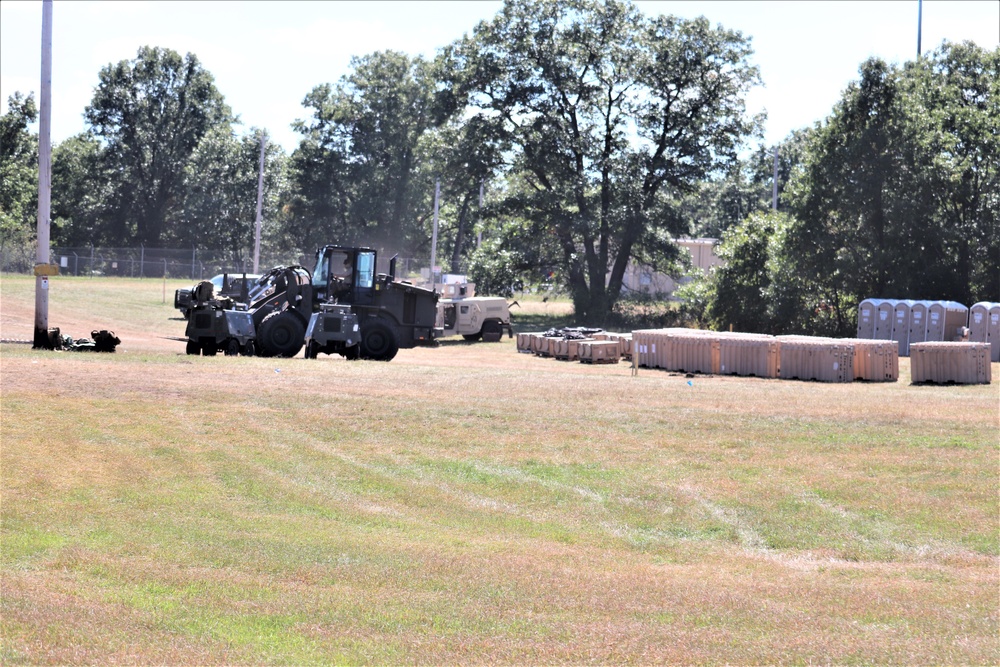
(281, 334)
(492, 331)
(379, 341)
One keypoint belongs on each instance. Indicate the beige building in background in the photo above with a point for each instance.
(640, 278)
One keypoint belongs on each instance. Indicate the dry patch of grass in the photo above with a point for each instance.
(468, 504)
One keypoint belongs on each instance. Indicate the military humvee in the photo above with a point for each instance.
(461, 313)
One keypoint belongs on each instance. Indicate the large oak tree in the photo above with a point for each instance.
(607, 111)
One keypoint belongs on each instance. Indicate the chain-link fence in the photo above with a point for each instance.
(142, 262)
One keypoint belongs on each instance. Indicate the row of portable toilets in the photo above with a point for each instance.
(759, 355)
(908, 322)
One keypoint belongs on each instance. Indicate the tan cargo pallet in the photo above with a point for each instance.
(567, 349)
(525, 342)
(600, 351)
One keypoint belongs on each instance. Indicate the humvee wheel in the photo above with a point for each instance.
(492, 332)
(352, 353)
(472, 338)
(378, 341)
(312, 349)
(193, 347)
(208, 348)
(281, 334)
(232, 347)
(249, 349)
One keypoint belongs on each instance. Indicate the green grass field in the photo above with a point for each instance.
(468, 505)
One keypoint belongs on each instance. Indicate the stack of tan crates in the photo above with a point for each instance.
(542, 344)
(875, 360)
(941, 362)
(624, 342)
(525, 342)
(568, 349)
(600, 352)
(709, 352)
(822, 359)
(749, 355)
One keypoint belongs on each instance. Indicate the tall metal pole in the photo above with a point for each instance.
(434, 233)
(260, 205)
(479, 231)
(920, 21)
(44, 183)
(774, 193)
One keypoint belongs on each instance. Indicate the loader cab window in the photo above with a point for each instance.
(366, 269)
(341, 265)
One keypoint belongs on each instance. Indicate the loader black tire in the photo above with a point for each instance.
(378, 340)
(281, 334)
(492, 331)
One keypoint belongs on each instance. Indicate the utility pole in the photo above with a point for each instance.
(260, 205)
(434, 233)
(920, 21)
(479, 227)
(42, 267)
(774, 193)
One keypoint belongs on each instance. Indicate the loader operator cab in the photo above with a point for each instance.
(345, 274)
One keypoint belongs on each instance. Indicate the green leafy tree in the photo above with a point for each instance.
(607, 112)
(898, 193)
(464, 155)
(220, 193)
(150, 114)
(18, 175)
(354, 172)
(81, 186)
(956, 93)
(740, 285)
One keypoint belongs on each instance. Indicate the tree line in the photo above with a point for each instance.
(600, 134)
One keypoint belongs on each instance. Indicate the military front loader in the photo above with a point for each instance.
(341, 307)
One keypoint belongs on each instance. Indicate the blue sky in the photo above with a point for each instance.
(266, 56)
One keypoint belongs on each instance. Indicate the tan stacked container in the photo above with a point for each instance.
(689, 351)
(874, 360)
(822, 359)
(525, 342)
(644, 344)
(941, 362)
(624, 341)
(542, 345)
(600, 352)
(566, 349)
(748, 354)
